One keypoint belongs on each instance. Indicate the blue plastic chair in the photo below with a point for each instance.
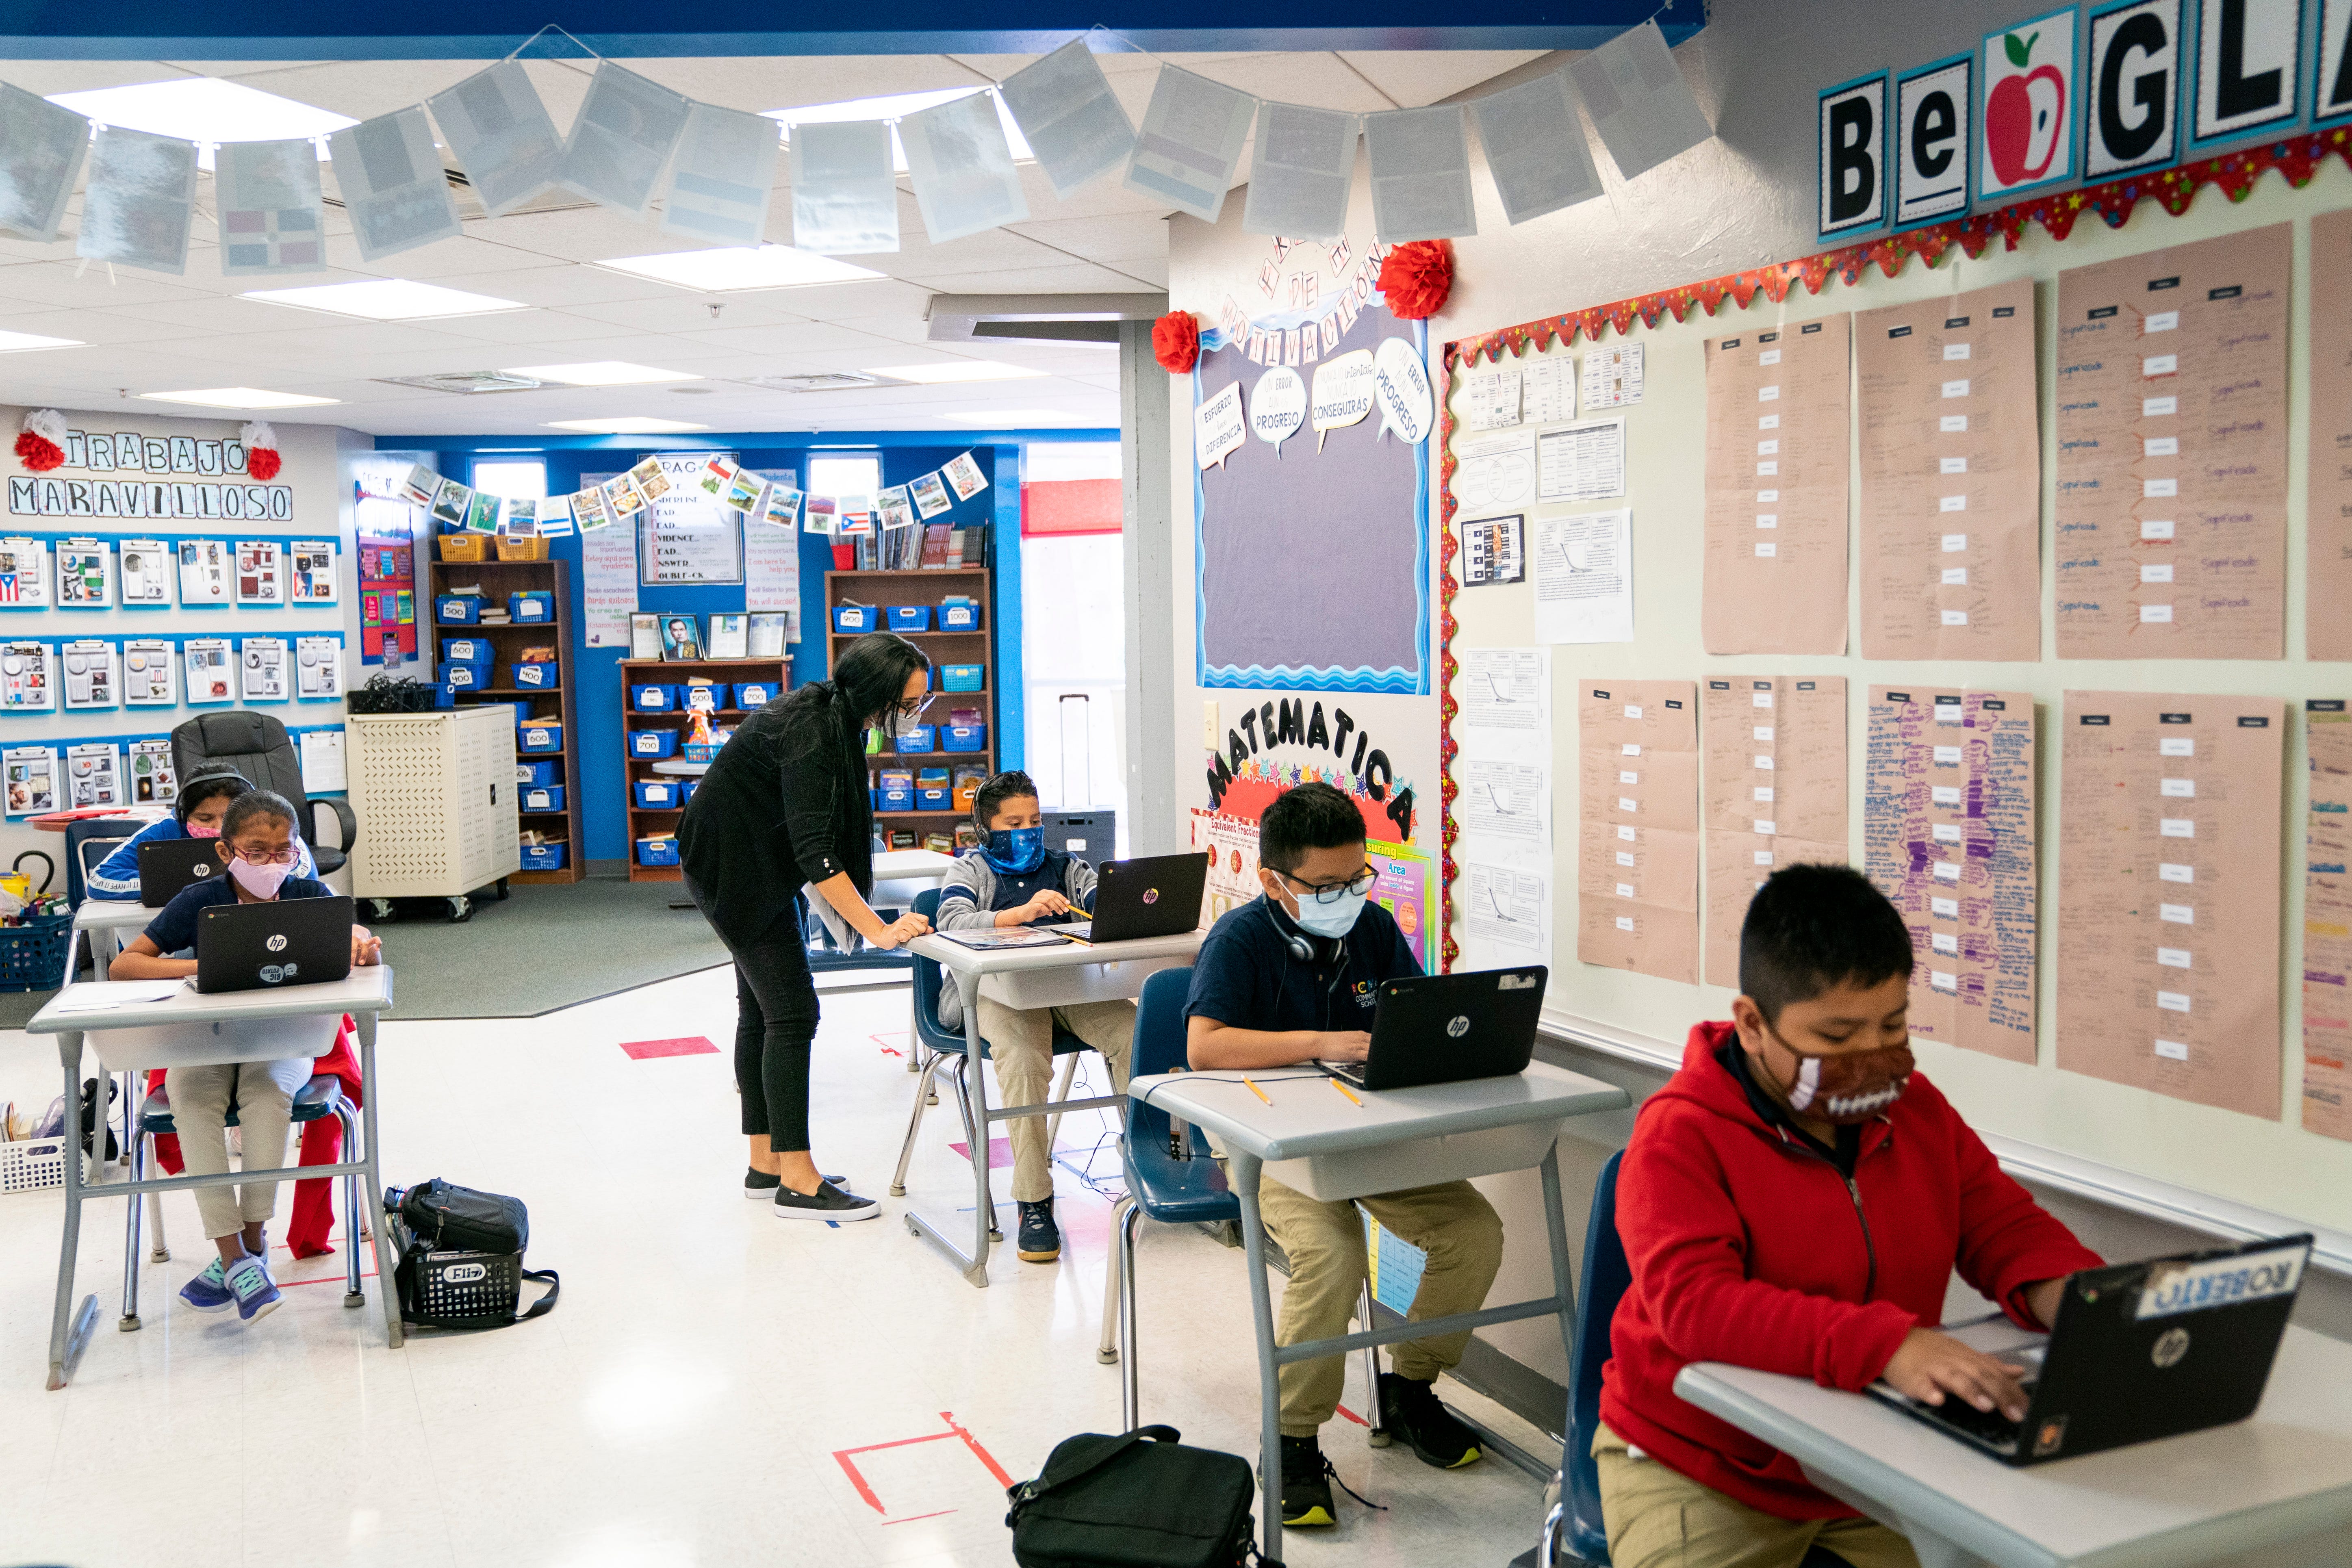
(935, 1045)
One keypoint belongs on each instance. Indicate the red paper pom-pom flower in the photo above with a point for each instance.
(261, 459)
(1176, 341)
(1416, 278)
(41, 445)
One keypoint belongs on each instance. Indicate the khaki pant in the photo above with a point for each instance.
(264, 1103)
(1452, 1222)
(1660, 1518)
(1021, 1043)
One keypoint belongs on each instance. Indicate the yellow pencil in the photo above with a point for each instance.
(1343, 1089)
(1255, 1090)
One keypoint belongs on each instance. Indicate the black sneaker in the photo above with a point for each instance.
(763, 1183)
(1410, 1410)
(829, 1202)
(1305, 1485)
(1041, 1238)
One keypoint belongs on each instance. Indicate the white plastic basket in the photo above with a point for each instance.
(32, 1165)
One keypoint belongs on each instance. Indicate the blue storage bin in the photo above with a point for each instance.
(910, 618)
(933, 800)
(702, 699)
(441, 696)
(539, 738)
(544, 676)
(964, 616)
(544, 857)
(467, 677)
(915, 739)
(655, 744)
(531, 607)
(755, 694)
(458, 610)
(686, 789)
(963, 738)
(466, 650)
(542, 797)
(853, 618)
(657, 794)
(654, 699)
(961, 676)
(894, 799)
(529, 774)
(656, 851)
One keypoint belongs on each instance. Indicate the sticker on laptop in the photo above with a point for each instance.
(2175, 1288)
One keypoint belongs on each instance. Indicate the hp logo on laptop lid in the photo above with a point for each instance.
(276, 943)
(202, 869)
(1457, 1025)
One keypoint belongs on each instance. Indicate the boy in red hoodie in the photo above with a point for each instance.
(1795, 1200)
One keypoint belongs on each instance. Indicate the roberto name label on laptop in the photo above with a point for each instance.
(2176, 1288)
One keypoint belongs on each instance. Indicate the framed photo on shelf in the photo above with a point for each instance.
(729, 637)
(766, 639)
(682, 640)
(645, 636)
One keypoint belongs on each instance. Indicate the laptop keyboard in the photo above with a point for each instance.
(1987, 1426)
(1352, 1071)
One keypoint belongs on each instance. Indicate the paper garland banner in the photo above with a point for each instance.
(725, 173)
(501, 132)
(845, 195)
(627, 130)
(962, 167)
(272, 219)
(1070, 117)
(390, 178)
(141, 202)
(1301, 173)
(1192, 139)
(41, 150)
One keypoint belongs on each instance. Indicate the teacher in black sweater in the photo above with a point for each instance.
(782, 810)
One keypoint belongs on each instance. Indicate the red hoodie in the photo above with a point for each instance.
(1747, 1245)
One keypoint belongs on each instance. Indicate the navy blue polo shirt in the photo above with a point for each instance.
(175, 929)
(1245, 977)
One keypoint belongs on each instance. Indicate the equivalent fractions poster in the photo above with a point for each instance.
(1951, 478)
(1775, 778)
(2327, 629)
(1776, 452)
(2171, 515)
(1947, 835)
(1638, 840)
(2327, 923)
(2169, 894)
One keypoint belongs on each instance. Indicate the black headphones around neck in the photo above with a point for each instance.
(1295, 941)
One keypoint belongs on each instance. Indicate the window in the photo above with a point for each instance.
(1075, 686)
(840, 474)
(515, 479)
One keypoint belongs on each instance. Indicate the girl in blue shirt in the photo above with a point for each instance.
(196, 813)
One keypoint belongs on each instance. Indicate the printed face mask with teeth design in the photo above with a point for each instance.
(1849, 1088)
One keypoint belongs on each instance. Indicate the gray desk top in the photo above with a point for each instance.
(962, 960)
(2283, 1474)
(100, 914)
(366, 990)
(1310, 1117)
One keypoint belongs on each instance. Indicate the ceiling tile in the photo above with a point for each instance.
(1418, 76)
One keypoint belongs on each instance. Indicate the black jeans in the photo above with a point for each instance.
(775, 1029)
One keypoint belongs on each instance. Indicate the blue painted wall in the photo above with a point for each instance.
(594, 673)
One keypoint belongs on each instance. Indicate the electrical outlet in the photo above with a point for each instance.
(1209, 726)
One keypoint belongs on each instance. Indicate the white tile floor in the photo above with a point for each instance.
(715, 1387)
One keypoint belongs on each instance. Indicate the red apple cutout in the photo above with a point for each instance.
(2023, 115)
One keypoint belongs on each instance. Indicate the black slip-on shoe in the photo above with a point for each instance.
(829, 1202)
(763, 1183)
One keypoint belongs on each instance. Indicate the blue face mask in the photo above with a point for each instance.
(1015, 851)
(1335, 919)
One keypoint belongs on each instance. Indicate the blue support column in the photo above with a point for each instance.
(1011, 725)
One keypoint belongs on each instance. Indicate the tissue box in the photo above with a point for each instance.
(915, 739)
(654, 699)
(467, 677)
(529, 774)
(853, 617)
(542, 797)
(530, 607)
(542, 856)
(539, 738)
(960, 676)
(959, 615)
(541, 677)
(656, 851)
(458, 610)
(466, 650)
(964, 738)
(657, 794)
(755, 694)
(655, 744)
(910, 618)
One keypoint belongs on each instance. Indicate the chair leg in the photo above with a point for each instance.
(1376, 1435)
(130, 1216)
(353, 1221)
(975, 1135)
(924, 1095)
(1108, 1352)
(1061, 1091)
(1131, 1407)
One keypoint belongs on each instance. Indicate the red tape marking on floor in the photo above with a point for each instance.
(684, 1045)
(912, 1517)
(1352, 1416)
(841, 1457)
(1000, 1152)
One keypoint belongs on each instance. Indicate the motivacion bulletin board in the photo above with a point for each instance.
(2009, 560)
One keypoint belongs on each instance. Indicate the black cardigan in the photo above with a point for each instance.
(784, 804)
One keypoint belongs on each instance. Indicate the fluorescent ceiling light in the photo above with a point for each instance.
(600, 372)
(17, 342)
(204, 109)
(897, 106)
(732, 267)
(386, 300)
(239, 397)
(1009, 418)
(631, 425)
(956, 369)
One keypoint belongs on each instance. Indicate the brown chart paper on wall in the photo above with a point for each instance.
(1774, 793)
(2327, 628)
(1777, 454)
(1947, 835)
(2327, 923)
(1637, 868)
(2171, 515)
(2169, 894)
(1951, 478)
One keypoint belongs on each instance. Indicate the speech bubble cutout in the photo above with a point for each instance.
(1343, 392)
(1218, 429)
(1277, 406)
(1401, 389)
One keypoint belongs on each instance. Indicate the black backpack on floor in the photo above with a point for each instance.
(1140, 1501)
(461, 1257)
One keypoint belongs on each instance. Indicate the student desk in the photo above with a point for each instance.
(97, 921)
(2279, 1476)
(926, 866)
(1056, 977)
(190, 1029)
(1317, 1140)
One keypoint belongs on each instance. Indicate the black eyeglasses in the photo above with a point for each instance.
(1361, 884)
(910, 706)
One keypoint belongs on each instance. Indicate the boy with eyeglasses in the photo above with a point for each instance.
(1288, 980)
(257, 834)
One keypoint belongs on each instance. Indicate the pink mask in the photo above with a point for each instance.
(261, 881)
(204, 831)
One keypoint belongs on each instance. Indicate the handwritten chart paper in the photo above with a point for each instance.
(2327, 923)
(1637, 865)
(2169, 894)
(1777, 452)
(1947, 835)
(2172, 464)
(2326, 626)
(1951, 478)
(1776, 796)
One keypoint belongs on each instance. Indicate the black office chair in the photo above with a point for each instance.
(257, 747)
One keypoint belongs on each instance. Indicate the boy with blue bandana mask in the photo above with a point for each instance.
(1014, 880)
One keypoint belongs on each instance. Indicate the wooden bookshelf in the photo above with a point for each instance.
(497, 579)
(928, 586)
(636, 672)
